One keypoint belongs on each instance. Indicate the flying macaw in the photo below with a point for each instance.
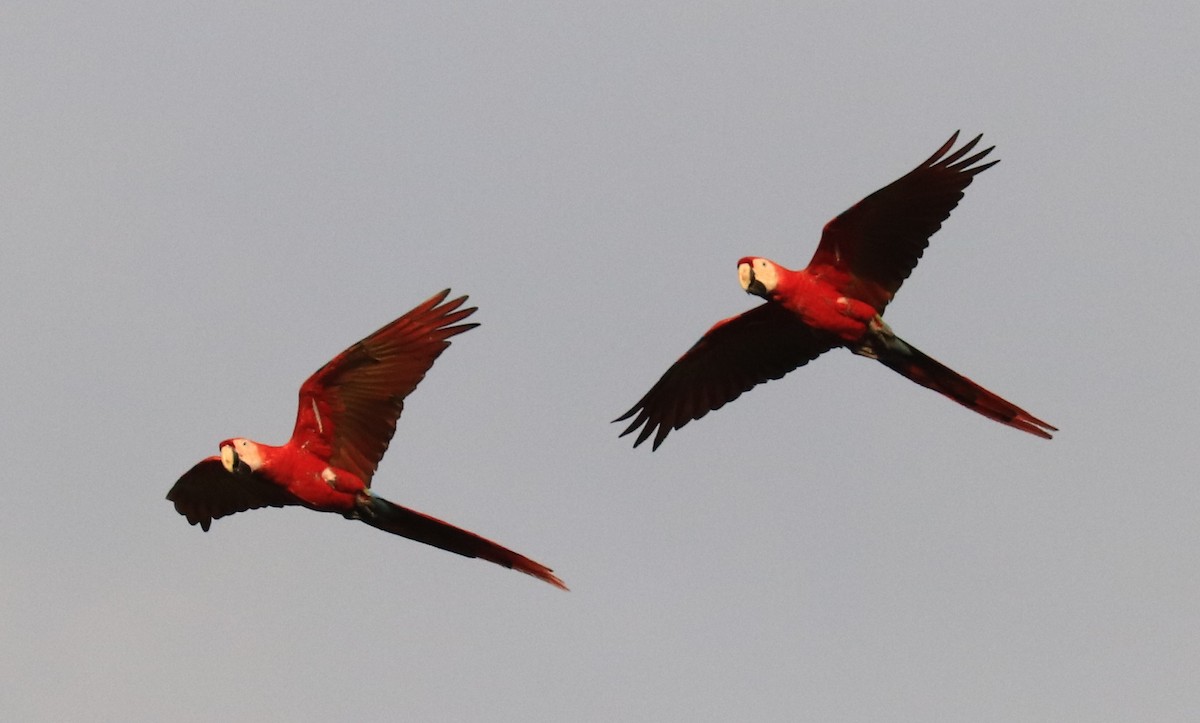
(347, 416)
(838, 300)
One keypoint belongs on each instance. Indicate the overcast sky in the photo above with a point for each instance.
(202, 203)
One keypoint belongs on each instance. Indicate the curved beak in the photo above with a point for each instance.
(230, 460)
(749, 283)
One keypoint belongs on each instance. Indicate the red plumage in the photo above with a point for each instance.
(347, 415)
(865, 254)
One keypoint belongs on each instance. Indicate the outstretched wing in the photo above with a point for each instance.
(348, 409)
(733, 356)
(207, 492)
(879, 240)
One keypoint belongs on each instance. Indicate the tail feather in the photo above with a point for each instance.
(900, 356)
(393, 518)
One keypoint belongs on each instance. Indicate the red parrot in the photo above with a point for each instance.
(838, 300)
(348, 412)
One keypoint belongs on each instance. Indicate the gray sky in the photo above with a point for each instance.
(203, 204)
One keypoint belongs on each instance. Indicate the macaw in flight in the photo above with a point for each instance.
(348, 412)
(838, 300)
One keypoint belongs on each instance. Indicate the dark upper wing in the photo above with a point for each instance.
(879, 239)
(207, 492)
(348, 409)
(734, 355)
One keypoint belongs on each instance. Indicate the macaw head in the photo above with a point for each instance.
(240, 456)
(758, 276)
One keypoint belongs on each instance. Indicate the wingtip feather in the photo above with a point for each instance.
(941, 151)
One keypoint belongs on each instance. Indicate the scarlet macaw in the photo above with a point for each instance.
(838, 300)
(347, 416)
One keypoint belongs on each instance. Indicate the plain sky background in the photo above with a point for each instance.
(204, 202)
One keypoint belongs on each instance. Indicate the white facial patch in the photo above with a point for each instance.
(766, 274)
(249, 452)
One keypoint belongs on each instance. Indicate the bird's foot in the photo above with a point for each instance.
(878, 336)
(364, 507)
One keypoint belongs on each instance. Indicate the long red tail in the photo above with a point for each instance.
(900, 356)
(393, 518)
